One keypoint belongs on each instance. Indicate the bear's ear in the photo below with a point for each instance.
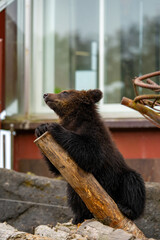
(95, 95)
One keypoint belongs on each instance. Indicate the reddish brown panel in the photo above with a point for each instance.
(25, 148)
(36, 166)
(148, 168)
(0, 78)
(135, 144)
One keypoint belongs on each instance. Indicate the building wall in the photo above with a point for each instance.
(139, 144)
(139, 147)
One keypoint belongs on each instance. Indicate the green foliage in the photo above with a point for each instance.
(57, 90)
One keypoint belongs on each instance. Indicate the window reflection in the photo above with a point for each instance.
(65, 48)
(14, 58)
(132, 41)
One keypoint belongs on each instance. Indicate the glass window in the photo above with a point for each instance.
(42, 52)
(14, 58)
(132, 45)
(64, 47)
(79, 44)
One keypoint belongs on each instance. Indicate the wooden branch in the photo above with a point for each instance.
(140, 108)
(100, 204)
(147, 112)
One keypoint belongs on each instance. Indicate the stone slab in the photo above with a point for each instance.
(27, 201)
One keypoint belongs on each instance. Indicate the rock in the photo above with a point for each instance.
(97, 231)
(59, 232)
(51, 232)
(94, 230)
(119, 234)
(28, 201)
(89, 230)
(7, 232)
(149, 222)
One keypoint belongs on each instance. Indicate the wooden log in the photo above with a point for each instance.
(100, 204)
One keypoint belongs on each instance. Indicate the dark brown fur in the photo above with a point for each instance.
(82, 133)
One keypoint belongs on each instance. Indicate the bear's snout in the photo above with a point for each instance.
(50, 97)
(45, 95)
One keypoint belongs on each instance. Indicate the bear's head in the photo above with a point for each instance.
(72, 101)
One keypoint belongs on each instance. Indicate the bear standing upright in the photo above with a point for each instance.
(82, 133)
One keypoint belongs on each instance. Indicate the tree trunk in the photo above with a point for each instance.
(100, 204)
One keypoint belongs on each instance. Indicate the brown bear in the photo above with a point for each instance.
(83, 134)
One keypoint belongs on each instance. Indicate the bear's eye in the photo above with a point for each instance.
(65, 93)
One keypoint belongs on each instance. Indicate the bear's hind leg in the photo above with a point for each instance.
(132, 195)
(129, 213)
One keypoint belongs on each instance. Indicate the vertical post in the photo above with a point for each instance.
(27, 55)
(101, 45)
(0, 79)
(140, 36)
(12, 144)
(2, 59)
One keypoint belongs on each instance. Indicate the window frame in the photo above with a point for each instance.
(106, 110)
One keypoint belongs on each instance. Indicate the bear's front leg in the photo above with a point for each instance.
(81, 149)
(59, 133)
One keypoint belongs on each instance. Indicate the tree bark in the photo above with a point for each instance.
(100, 204)
(147, 112)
